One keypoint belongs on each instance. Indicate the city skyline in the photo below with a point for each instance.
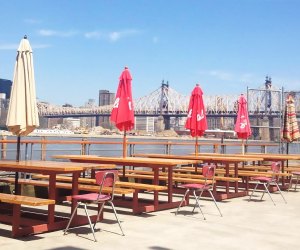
(82, 47)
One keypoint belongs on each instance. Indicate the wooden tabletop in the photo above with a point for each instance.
(55, 166)
(276, 156)
(132, 161)
(203, 157)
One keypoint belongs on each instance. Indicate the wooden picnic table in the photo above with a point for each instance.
(221, 159)
(51, 168)
(154, 164)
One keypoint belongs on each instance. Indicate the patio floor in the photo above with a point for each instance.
(244, 225)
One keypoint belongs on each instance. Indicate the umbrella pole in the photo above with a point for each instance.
(196, 146)
(17, 189)
(243, 147)
(124, 145)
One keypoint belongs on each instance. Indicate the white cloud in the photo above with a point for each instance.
(31, 21)
(14, 46)
(222, 75)
(111, 36)
(155, 39)
(9, 46)
(46, 32)
(40, 46)
(93, 35)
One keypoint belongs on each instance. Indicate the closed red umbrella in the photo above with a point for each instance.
(196, 119)
(242, 125)
(122, 114)
(290, 130)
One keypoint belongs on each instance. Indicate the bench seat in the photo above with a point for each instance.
(24, 200)
(81, 187)
(119, 184)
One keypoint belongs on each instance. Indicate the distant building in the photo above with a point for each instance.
(71, 123)
(88, 122)
(144, 124)
(105, 98)
(5, 88)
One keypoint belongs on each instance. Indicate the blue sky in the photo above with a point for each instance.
(82, 46)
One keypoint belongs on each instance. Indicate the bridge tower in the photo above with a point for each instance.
(164, 120)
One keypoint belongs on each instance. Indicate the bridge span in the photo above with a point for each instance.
(166, 101)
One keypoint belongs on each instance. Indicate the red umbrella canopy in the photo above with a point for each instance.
(242, 125)
(196, 119)
(122, 113)
(290, 125)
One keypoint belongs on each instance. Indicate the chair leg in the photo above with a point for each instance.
(98, 215)
(253, 191)
(197, 198)
(183, 198)
(91, 226)
(215, 202)
(280, 192)
(197, 203)
(290, 184)
(267, 190)
(72, 216)
(113, 207)
(296, 183)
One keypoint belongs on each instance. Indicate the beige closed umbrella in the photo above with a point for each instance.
(22, 116)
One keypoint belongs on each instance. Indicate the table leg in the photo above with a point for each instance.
(16, 219)
(282, 171)
(75, 189)
(51, 195)
(170, 184)
(227, 175)
(236, 185)
(156, 182)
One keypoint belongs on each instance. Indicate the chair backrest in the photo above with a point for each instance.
(208, 171)
(275, 168)
(106, 178)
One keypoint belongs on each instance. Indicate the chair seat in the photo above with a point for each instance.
(196, 186)
(262, 179)
(92, 197)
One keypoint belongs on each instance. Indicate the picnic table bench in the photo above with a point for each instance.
(178, 177)
(119, 184)
(88, 185)
(62, 185)
(20, 224)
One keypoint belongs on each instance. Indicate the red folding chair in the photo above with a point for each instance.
(103, 179)
(208, 172)
(267, 181)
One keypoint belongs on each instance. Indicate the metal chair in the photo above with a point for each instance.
(208, 172)
(103, 179)
(297, 174)
(267, 181)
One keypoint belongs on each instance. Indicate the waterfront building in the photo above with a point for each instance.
(88, 122)
(71, 123)
(145, 124)
(5, 88)
(105, 98)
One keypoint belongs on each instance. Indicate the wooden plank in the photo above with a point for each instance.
(120, 184)
(24, 200)
(197, 176)
(82, 187)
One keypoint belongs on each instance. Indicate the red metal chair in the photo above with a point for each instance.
(267, 181)
(208, 172)
(297, 174)
(103, 179)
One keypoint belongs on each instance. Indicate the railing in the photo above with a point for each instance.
(43, 148)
